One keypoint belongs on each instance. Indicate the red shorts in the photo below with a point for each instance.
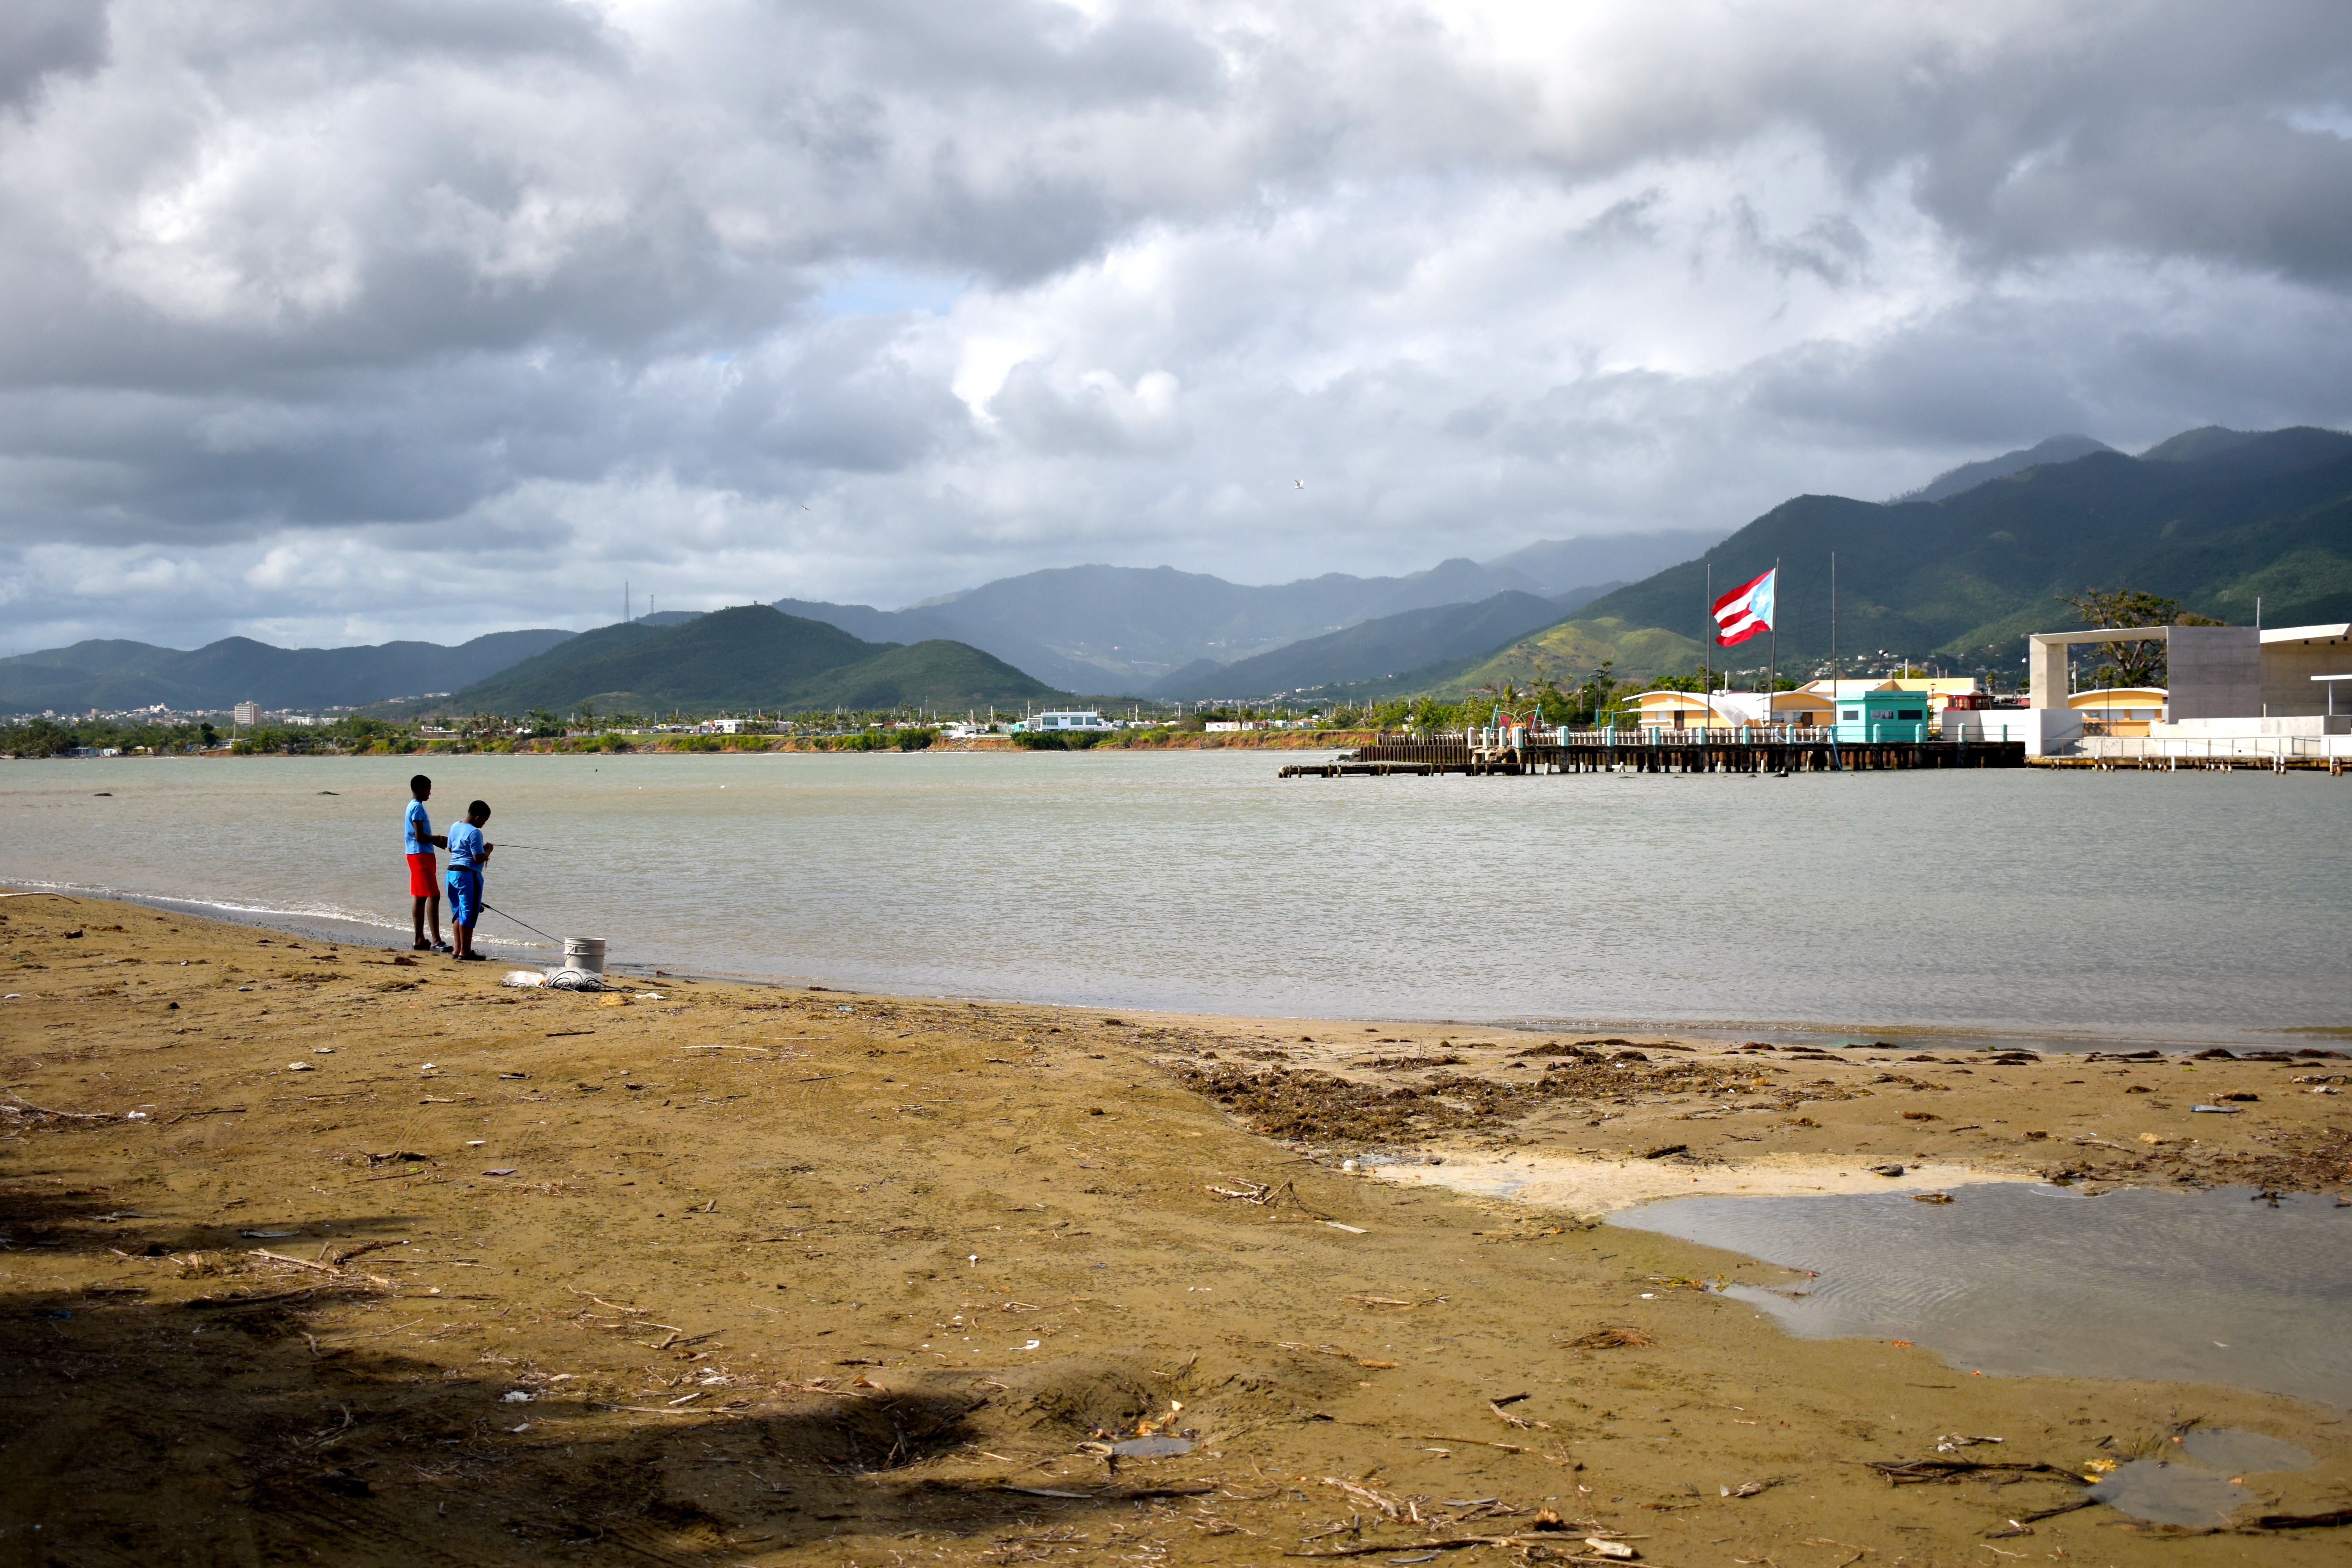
(422, 883)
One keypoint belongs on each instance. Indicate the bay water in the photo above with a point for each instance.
(2109, 909)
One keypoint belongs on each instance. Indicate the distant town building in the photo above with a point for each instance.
(1063, 720)
(245, 713)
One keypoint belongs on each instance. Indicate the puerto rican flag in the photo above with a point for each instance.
(1745, 611)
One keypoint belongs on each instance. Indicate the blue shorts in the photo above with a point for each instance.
(465, 895)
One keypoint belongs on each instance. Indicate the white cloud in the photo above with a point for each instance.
(427, 318)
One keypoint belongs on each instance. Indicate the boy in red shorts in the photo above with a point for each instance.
(424, 878)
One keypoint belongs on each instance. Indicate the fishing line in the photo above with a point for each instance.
(525, 924)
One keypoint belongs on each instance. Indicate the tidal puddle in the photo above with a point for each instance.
(2010, 1278)
(2203, 1487)
(2165, 1493)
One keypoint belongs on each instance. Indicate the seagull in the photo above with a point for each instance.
(1300, 483)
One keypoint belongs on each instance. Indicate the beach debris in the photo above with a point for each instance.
(1508, 1419)
(1614, 1549)
(1916, 1472)
(1956, 1442)
(1931, 1198)
(2301, 1521)
(2151, 1139)
(1350, 1229)
(500, 1171)
(2216, 1109)
(574, 980)
(1609, 1338)
(1371, 1303)
(1335, 1351)
(1753, 1489)
(1257, 1192)
(23, 1107)
(1389, 1506)
(1665, 1149)
(1890, 1169)
(523, 979)
(300, 1066)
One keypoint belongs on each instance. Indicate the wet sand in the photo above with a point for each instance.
(738, 1274)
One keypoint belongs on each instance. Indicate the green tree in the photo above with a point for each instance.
(2131, 663)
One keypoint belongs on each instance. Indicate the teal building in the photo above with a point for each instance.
(1866, 716)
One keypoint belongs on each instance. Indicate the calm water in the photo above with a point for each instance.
(2176, 909)
(2012, 1278)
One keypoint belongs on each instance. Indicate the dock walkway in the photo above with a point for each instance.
(1420, 759)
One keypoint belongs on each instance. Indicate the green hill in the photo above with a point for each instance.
(113, 674)
(750, 657)
(2212, 517)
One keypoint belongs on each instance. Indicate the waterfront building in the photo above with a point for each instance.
(2122, 709)
(1064, 720)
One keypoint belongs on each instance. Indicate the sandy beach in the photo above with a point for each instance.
(330, 1255)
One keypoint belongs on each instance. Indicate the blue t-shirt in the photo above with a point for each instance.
(466, 845)
(420, 828)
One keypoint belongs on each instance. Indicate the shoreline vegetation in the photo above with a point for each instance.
(412, 728)
(328, 1252)
(393, 740)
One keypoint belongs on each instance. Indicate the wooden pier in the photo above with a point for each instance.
(1416, 759)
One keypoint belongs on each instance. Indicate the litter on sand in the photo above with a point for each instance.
(523, 979)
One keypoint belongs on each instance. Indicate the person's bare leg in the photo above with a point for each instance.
(417, 918)
(432, 914)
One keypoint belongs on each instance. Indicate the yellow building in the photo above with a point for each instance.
(2124, 709)
(1694, 710)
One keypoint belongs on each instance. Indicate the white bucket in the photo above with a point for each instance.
(584, 952)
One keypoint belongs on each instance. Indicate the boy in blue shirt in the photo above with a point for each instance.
(424, 878)
(468, 851)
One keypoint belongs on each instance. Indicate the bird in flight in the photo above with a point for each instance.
(1300, 483)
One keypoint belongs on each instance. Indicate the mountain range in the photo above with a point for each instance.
(2216, 518)
(2226, 522)
(110, 673)
(1131, 629)
(752, 657)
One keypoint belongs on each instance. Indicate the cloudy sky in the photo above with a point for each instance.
(326, 323)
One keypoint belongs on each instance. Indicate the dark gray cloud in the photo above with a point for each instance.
(428, 316)
(39, 38)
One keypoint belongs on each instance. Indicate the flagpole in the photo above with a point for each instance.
(1772, 682)
(1707, 655)
(1835, 697)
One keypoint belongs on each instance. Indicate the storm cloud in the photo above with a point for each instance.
(330, 323)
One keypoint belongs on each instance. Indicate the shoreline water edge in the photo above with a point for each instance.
(750, 1272)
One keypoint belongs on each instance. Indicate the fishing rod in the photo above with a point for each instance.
(525, 924)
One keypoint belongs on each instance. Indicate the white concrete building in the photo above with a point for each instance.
(2235, 691)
